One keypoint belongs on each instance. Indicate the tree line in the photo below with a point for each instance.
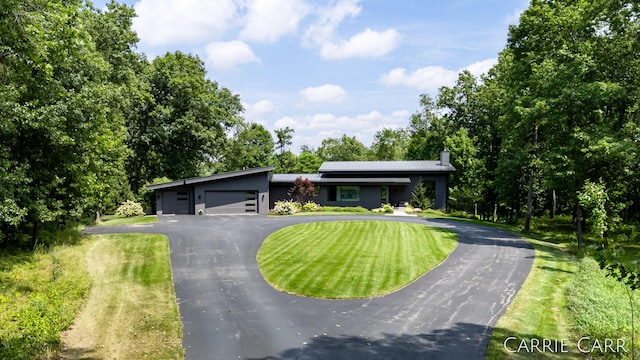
(88, 121)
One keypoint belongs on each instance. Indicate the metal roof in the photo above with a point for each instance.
(318, 179)
(215, 177)
(414, 166)
(290, 178)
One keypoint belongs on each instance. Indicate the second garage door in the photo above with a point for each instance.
(230, 202)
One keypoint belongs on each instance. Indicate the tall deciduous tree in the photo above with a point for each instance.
(343, 149)
(61, 138)
(252, 147)
(568, 102)
(286, 159)
(390, 144)
(308, 162)
(181, 127)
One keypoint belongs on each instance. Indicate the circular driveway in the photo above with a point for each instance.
(230, 312)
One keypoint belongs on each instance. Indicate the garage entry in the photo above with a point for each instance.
(230, 202)
(176, 202)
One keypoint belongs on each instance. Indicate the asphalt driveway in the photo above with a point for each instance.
(230, 312)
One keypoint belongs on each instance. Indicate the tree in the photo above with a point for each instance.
(286, 159)
(308, 163)
(467, 183)
(427, 131)
(301, 189)
(564, 108)
(62, 138)
(390, 144)
(343, 149)
(181, 127)
(252, 147)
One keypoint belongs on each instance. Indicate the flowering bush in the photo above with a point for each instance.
(388, 209)
(310, 206)
(285, 208)
(130, 208)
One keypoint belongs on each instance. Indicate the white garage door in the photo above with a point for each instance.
(230, 202)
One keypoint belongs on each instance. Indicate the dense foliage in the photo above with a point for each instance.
(87, 121)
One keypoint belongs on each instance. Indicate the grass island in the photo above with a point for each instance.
(351, 259)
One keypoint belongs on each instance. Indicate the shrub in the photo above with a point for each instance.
(388, 209)
(285, 208)
(301, 189)
(356, 209)
(130, 208)
(310, 206)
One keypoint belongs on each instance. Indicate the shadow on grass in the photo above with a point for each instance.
(462, 341)
(79, 353)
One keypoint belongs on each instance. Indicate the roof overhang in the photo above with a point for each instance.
(318, 179)
(211, 178)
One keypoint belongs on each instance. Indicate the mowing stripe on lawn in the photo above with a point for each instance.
(351, 259)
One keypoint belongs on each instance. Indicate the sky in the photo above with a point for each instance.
(332, 67)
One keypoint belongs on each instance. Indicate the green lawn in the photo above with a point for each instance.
(351, 259)
(112, 220)
(131, 312)
(121, 282)
(539, 311)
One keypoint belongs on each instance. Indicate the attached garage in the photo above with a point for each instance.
(230, 202)
(233, 193)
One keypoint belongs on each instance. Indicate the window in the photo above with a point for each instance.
(183, 195)
(344, 193)
(348, 193)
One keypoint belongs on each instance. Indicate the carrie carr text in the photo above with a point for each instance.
(586, 345)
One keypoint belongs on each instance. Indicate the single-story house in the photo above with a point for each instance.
(338, 183)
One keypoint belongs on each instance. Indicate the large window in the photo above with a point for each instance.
(348, 193)
(344, 193)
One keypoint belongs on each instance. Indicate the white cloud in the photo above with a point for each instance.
(286, 121)
(167, 22)
(224, 56)
(261, 107)
(433, 77)
(514, 18)
(481, 67)
(312, 129)
(267, 20)
(322, 34)
(428, 78)
(367, 44)
(328, 20)
(326, 93)
(255, 112)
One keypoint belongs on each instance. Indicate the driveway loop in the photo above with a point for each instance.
(230, 312)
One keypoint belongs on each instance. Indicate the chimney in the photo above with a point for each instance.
(444, 157)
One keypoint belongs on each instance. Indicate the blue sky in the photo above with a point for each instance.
(328, 68)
